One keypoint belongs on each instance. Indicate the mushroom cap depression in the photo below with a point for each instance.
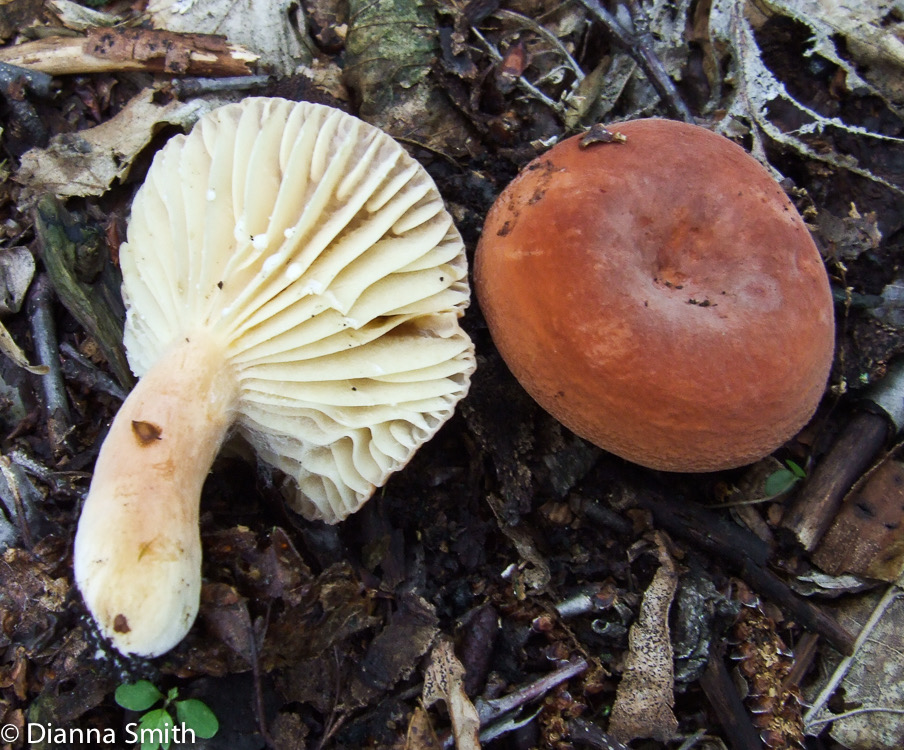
(661, 297)
(321, 254)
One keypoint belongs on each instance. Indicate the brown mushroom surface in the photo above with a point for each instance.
(292, 277)
(661, 297)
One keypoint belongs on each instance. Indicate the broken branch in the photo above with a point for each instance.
(152, 50)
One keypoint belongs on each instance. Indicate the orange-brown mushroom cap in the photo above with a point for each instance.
(660, 297)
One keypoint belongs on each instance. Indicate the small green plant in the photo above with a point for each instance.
(156, 728)
(782, 480)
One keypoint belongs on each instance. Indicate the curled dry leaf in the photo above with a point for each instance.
(645, 696)
(444, 680)
(863, 37)
(395, 651)
(759, 92)
(87, 162)
(11, 350)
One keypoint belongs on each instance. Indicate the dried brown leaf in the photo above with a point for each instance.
(645, 695)
(420, 732)
(444, 680)
(87, 162)
(873, 682)
(393, 653)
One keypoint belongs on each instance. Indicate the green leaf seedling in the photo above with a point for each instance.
(156, 727)
(782, 480)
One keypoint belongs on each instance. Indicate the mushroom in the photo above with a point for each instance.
(661, 296)
(292, 277)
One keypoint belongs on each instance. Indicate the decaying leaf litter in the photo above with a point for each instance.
(502, 587)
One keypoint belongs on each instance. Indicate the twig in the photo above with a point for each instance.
(811, 513)
(857, 712)
(56, 403)
(259, 704)
(521, 80)
(640, 47)
(546, 34)
(35, 81)
(722, 695)
(15, 82)
(186, 88)
(747, 555)
(804, 653)
(336, 719)
(12, 481)
(82, 370)
(489, 711)
(493, 709)
(891, 595)
(692, 740)
(60, 481)
(115, 50)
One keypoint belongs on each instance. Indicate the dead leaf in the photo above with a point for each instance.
(758, 88)
(264, 573)
(11, 349)
(865, 538)
(535, 573)
(15, 15)
(79, 18)
(338, 607)
(421, 735)
(645, 695)
(17, 268)
(263, 26)
(87, 162)
(390, 48)
(225, 612)
(31, 595)
(868, 31)
(395, 651)
(444, 680)
(872, 679)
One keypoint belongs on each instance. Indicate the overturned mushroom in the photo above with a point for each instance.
(291, 275)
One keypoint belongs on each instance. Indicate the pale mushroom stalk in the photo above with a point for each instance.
(143, 581)
(291, 278)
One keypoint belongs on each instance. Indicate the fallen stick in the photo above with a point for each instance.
(113, 50)
(746, 555)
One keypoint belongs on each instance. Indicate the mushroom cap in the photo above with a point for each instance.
(320, 254)
(660, 297)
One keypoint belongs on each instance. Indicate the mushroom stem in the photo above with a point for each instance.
(138, 547)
